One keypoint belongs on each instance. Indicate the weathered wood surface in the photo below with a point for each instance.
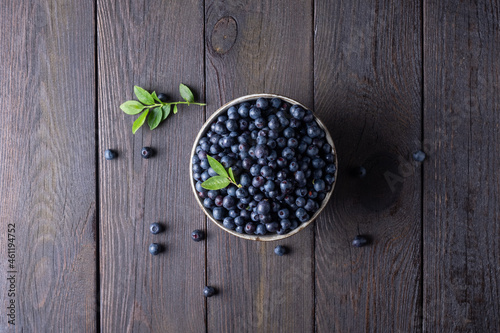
(272, 52)
(368, 92)
(47, 169)
(386, 77)
(462, 183)
(156, 46)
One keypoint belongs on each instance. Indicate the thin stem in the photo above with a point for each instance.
(172, 103)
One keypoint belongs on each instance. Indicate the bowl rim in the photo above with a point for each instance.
(205, 128)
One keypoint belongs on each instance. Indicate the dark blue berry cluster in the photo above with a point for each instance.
(280, 156)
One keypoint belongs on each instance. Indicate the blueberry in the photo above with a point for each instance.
(258, 181)
(261, 151)
(232, 113)
(288, 153)
(228, 223)
(208, 203)
(261, 229)
(264, 207)
(205, 175)
(313, 131)
(234, 213)
(155, 248)
(280, 250)
(285, 224)
(272, 156)
(155, 228)
(294, 166)
(250, 228)
(241, 192)
(111, 154)
(281, 142)
(262, 103)
(360, 241)
(212, 172)
(300, 202)
(258, 197)
(311, 206)
(330, 168)
(266, 171)
(308, 117)
(297, 112)
(293, 143)
(222, 118)
(220, 128)
(197, 168)
(269, 186)
(228, 202)
(147, 152)
(218, 213)
(232, 125)
(274, 123)
(302, 215)
(318, 163)
(283, 213)
(359, 172)
(289, 132)
(272, 227)
(254, 113)
(286, 186)
(295, 123)
(243, 111)
(197, 235)
(312, 151)
(418, 156)
(162, 97)
(281, 175)
(319, 185)
(276, 102)
(239, 229)
(329, 179)
(209, 291)
(317, 173)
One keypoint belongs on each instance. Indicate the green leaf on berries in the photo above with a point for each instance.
(143, 95)
(215, 183)
(219, 168)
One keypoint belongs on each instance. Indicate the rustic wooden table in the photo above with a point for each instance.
(386, 77)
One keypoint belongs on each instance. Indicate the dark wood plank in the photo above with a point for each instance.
(47, 173)
(272, 52)
(368, 91)
(462, 183)
(156, 45)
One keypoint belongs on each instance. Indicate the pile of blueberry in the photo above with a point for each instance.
(280, 156)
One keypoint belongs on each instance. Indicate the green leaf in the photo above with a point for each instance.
(143, 95)
(175, 108)
(154, 118)
(166, 111)
(215, 183)
(186, 93)
(153, 94)
(139, 121)
(132, 107)
(219, 168)
(231, 175)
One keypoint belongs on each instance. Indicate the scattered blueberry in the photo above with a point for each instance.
(197, 235)
(419, 156)
(162, 97)
(359, 172)
(280, 250)
(155, 248)
(155, 228)
(147, 152)
(209, 291)
(109, 154)
(360, 241)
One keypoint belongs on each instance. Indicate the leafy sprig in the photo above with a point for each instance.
(223, 179)
(153, 108)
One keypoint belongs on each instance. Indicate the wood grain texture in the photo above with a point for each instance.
(156, 45)
(272, 53)
(368, 93)
(461, 215)
(47, 169)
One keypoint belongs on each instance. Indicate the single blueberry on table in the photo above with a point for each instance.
(280, 250)
(209, 291)
(197, 235)
(360, 241)
(155, 248)
(155, 228)
(110, 154)
(419, 156)
(147, 152)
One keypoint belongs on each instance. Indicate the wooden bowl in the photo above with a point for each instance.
(206, 127)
